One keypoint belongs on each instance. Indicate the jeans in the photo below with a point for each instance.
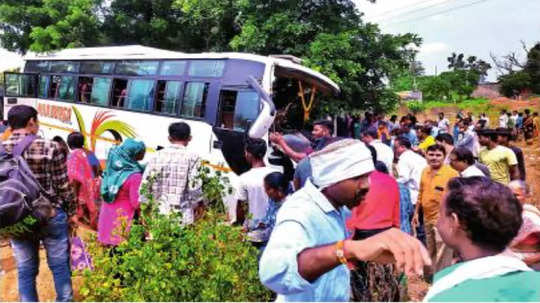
(56, 241)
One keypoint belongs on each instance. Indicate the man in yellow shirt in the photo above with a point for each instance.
(433, 183)
(500, 160)
(427, 140)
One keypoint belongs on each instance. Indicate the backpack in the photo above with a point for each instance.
(20, 192)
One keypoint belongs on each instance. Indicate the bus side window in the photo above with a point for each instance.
(100, 91)
(168, 96)
(227, 100)
(20, 85)
(238, 109)
(54, 86)
(140, 95)
(194, 104)
(119, 92)
(66, 89)
(42, 89)
(85, 89)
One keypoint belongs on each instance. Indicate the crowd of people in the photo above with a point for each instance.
(370, 202)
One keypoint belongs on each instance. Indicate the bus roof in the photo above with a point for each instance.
(139, 52)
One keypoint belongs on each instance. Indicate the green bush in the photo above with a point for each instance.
(416, 106)
(20, 229)
(164, 261)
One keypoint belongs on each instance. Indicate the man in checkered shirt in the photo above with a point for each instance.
(174, 169)
(48, 164)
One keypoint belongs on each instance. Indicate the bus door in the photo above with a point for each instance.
(238, 108)
(19, 89)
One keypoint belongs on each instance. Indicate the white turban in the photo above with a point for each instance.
(342, 160)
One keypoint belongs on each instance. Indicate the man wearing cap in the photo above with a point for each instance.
(306, 256)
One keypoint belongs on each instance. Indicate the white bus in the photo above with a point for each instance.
(110, 93)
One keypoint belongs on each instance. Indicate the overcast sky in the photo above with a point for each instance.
(473, 27)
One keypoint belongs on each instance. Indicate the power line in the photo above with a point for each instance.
(412, 11)
(438, 13)
(405, 8)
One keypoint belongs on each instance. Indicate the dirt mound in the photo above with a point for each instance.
(512, 104)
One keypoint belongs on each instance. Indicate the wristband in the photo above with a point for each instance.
(340, 254)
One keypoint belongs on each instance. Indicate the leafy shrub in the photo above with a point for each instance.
(416, 106)
(164, 261)
(26, 226)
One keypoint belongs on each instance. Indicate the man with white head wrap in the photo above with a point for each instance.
(306, 256)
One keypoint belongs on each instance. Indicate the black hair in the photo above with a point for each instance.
(179, 131)
(20, 115)
(256, 147)
(62, 144)
(527, 111)
(436, 147)
(372, 132)
(277, 180)
(487, 210)
(463, 154)
(426, 129)
(404, 141)
(490, 133)
(393, 118)
(505, 132)
(328, 124)
(75, 140)
(446, 138)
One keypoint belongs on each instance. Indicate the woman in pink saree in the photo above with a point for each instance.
(82, 176)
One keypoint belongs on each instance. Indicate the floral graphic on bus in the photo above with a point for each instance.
(101, 124)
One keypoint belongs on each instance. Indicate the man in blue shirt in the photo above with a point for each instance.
(306, 256)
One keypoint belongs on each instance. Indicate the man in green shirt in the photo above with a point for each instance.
(500, 160)
(478, 219)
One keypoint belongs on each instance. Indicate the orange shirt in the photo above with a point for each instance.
(432, 190)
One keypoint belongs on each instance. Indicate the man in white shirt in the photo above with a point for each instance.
(483, 117)
(462, 160)
(251, 192)
(385, 154)
(443, 124)
(503, 119)
(410, 166)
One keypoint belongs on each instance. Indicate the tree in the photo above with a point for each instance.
(17, 18)
(331, 38)
(456, 61)
(514, 83)
(461, 83)
(533, 67)
(328, 34)
(434, 87)
(74, 24)
(43, 25)
(509, 62)
(472, 64)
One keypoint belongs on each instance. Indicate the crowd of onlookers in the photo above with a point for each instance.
(370, 202)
